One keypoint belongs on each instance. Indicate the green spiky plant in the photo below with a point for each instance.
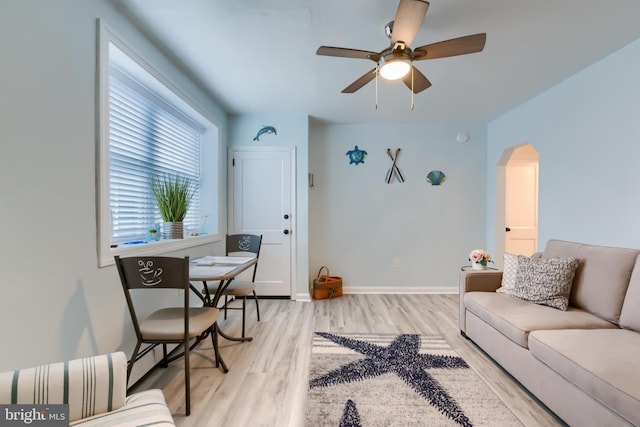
(173, 195)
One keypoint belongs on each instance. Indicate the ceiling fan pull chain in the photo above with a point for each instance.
(377, 65)
(412, 88)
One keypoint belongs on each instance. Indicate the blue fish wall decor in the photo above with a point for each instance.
(265, 130)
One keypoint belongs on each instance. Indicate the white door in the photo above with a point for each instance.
(521, 216)
(260, 180)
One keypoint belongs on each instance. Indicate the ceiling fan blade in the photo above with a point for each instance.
(343, 52)
(408, 20)
(366, 78)
(453, 47)
(420, 81)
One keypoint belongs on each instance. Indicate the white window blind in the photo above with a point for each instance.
(148, 138)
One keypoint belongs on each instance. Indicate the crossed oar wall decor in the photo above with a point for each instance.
(394, 170)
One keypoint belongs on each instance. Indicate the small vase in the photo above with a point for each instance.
(477, 266)
(172, 230)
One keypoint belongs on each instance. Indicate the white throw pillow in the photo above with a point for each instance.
(509, 271)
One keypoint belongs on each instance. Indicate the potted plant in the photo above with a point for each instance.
(479, 259)
(173, 195)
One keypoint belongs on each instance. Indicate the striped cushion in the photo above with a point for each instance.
(147, 408)
(90, 386)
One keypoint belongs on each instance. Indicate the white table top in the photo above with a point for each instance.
(224, 268)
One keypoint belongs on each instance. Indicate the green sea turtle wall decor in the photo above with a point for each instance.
(356, 155)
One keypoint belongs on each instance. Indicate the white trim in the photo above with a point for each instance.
(302, 297)
(158, 248)
(373, 290)
(105, 36)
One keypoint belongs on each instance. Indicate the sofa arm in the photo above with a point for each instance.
(476, 281)
(483, 281)
(90, 386)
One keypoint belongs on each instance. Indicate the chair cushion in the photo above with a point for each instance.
(516, 318)
(141, 409)
(240, 288)
(168, 323)
(602, 278)
(603, 363)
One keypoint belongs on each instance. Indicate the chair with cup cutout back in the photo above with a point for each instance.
(242, 244)
(167, 325)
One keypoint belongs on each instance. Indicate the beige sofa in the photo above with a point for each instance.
(94, 388)
(583, 363)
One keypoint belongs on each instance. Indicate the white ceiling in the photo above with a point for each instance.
(258, 56)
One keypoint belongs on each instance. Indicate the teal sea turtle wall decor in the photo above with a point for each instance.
(356, 155)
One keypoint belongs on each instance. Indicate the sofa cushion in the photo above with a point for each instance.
(630, 314)
(602, 278)
(603, 363)
(146, 408)
(545, 281)
(509, 271)
(516, 318)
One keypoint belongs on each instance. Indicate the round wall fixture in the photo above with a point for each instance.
(463, 137)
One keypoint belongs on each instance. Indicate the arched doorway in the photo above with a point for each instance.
(517, 201)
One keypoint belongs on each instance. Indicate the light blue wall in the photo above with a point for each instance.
(359, 224)
(56, 303)
(587, 133)
(292, 131)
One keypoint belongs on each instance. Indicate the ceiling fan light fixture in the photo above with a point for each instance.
(395, 69)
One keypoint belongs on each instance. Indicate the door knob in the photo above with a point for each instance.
(507, 229)
(286, 216)
(286, 231)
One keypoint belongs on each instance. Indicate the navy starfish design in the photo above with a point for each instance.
(350, 415)
(401, 357)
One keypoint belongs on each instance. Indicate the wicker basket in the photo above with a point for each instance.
(326, 286)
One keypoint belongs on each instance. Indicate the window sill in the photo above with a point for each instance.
(158, 248)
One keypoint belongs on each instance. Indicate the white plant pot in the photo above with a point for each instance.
(477, 266)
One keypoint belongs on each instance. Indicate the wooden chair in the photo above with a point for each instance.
(242, 244)
(179, 325)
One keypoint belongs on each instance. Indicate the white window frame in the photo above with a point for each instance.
(211, 201)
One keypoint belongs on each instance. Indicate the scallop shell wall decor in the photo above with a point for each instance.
(436, 177)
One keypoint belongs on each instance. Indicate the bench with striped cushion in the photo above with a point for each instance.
(94, 388)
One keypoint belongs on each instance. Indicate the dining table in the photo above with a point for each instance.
(216, 273)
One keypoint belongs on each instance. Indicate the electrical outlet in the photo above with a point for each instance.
(396, 262)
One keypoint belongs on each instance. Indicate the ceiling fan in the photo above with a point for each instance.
(396, 61)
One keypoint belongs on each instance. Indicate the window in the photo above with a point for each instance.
(148, 129)
(147, 138)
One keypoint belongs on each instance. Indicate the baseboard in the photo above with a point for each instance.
(398, 290)
(303, 297)
(377, 290)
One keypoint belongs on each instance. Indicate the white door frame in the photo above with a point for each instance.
(501, 196)
(294, 214)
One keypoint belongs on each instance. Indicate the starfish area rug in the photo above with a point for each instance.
(371, 380)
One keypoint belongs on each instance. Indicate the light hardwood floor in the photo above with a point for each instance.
(268, 377)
